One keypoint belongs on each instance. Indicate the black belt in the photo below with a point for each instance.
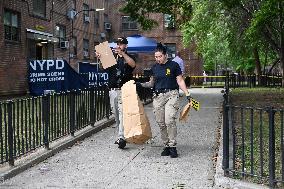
(159, 91)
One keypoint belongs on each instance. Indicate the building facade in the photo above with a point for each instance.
(166, 32)
(40, 29)
(60, 29)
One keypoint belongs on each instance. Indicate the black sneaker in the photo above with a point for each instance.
(173, 152)
(166, 151)
(121, 143)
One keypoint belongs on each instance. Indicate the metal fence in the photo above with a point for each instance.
(27, 124)
(254, 81)
(205, 81)
(253, 146)
(234, 81)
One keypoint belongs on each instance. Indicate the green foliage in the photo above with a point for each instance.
(139, 10)
(226, 32)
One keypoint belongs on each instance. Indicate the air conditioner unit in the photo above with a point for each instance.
(166, 24)
(87, 19)
(169, 25)
(64, 44)
(107, 26)
(71, 14)
(86, 53)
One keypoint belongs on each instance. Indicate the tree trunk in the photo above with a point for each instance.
(257, 65)
(281, 40)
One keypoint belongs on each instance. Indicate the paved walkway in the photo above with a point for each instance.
(97, 163)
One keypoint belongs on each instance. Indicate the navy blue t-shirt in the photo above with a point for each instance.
(120, 73)
(165, 75)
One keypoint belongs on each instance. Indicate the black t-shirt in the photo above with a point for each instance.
(165, 75)
(120, 73)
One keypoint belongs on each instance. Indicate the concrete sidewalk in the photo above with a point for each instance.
(97, 163)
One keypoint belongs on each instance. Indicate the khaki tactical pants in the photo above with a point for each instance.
(116, 109)
(165, 110)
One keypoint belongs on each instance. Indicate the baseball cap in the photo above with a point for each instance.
(121, 40)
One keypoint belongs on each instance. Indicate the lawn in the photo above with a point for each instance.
(250, 126)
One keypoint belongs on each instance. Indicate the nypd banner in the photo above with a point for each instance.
(94, 75)
(54, 75)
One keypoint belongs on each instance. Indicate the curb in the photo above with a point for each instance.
(46, 153)
(225, 182)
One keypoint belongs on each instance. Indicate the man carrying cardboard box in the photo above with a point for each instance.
(119, 74)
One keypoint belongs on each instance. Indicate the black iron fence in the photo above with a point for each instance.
(254, 80)
(27, 124)
(253, 146)
(205, 81)
(234, 81)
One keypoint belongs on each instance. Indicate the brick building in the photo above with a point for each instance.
(166, 33)
(40, 29)
(58, 29)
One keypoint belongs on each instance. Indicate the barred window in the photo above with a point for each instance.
(11, 26)
(128, 24)
(39, 7)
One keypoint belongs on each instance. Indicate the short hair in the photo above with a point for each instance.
(161, 48)
(122, 40)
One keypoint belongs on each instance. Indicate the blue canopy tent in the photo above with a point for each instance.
(139, 44)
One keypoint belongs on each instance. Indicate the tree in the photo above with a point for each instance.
(224, 30)
(265, 21)
(139, 10)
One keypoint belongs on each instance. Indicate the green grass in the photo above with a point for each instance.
(257, 98)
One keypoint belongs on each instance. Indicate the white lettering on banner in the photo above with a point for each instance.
(105, 76)
(50, 63)
(58, 67)
(47, 64)
(41, 79)
(97, 79)
(56, 79)
(41, 63)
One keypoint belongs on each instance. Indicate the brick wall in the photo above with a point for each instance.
(13, 55)
(193, 64)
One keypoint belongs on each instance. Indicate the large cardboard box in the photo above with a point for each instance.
(137, 128)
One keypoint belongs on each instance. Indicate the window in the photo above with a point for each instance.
(60, 32)
(85, 48)
(73, 5)
(74, 45)
(97, 19)
(171, 49)
(11, 26)
(86, 14)
(169, 21)
(39, 7)
(128, 24)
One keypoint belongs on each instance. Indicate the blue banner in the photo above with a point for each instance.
(94, 75)
(54, 75)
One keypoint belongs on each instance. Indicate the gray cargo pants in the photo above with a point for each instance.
(165, 110)
(116, 109)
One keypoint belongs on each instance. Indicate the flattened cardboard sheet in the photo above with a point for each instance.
(107, 58)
